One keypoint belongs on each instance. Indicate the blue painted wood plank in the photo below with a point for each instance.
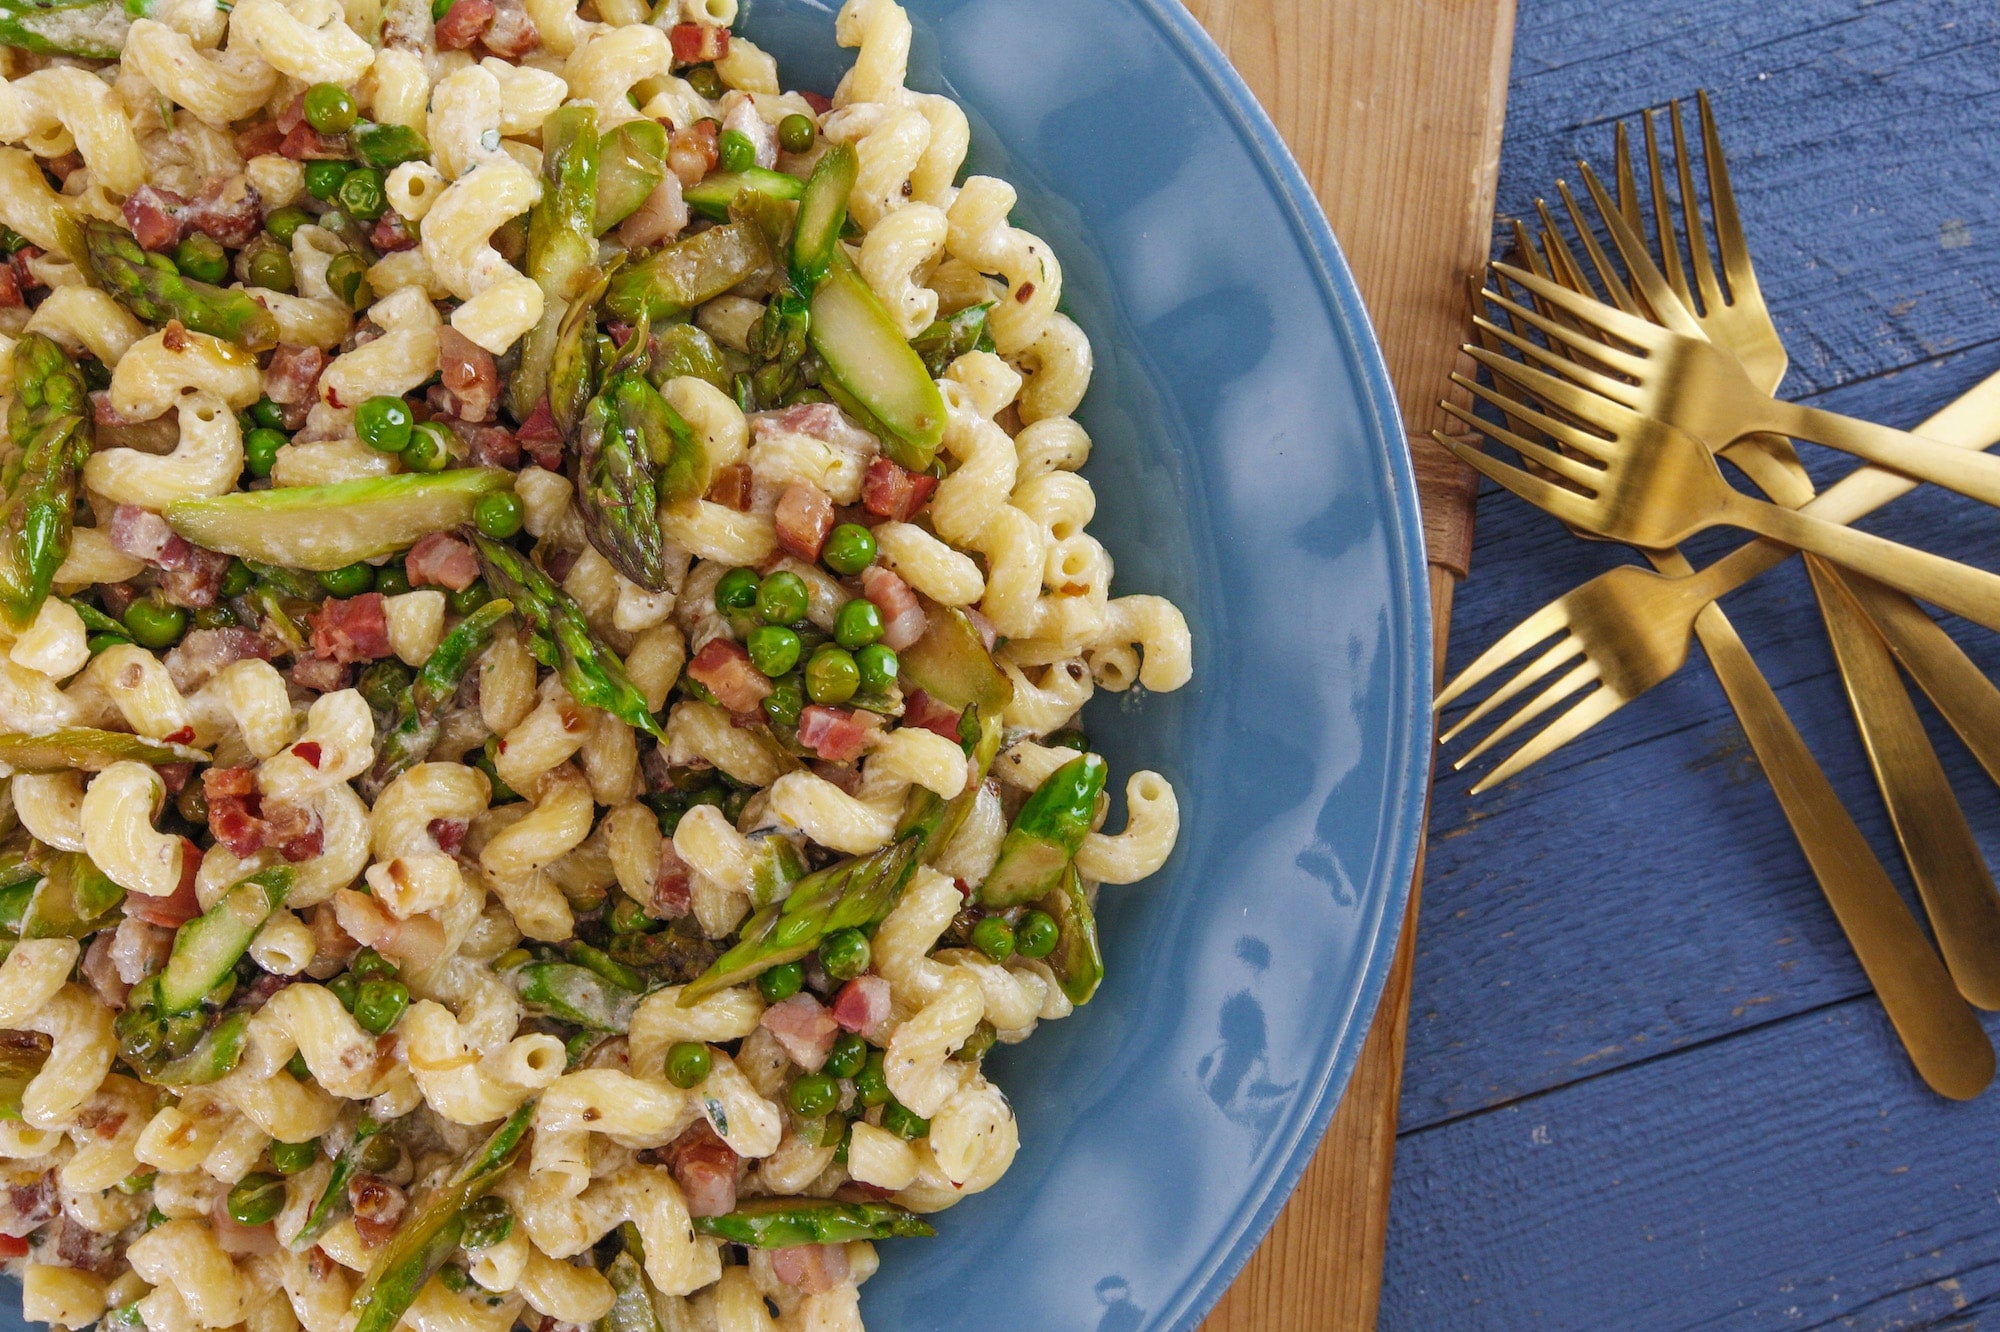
(1794, 1177)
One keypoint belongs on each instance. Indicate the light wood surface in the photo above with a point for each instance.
(1394, 110)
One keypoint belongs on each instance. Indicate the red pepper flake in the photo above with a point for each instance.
(309, 751)
(181, 737)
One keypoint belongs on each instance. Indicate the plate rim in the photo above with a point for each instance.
(1403, 525)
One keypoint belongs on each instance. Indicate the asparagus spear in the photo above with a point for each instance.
(93, 29)
(21, 1058)
(854, 893)
(1046, 834)
(408, 741)
(822, 214)
(331, 526)
(75, 899)
(953, 336)
(622, 432)
(432, 1229)
(218, 1051)
(867, 358)
(680, 276)
(633, 1309)
(572, 377)
(1078, 962)
(49, 424)
(561, 245)
(208, 946)
(560, 637)
(85, 749)
(158, 293)
(784, 1223)
(576, 995)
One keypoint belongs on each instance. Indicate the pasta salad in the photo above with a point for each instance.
(544, 599)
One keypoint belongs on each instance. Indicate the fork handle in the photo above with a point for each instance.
(1938, 1028)
(1968, 473)
(1958, 588)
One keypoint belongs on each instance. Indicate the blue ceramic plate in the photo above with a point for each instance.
(1248, 464)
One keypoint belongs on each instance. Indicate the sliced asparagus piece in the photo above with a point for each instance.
(114, 261)
(332, 1204)
(634, 162)
(785, 1223)
(562, 245)
(1046, 834)
(951, 664)
(866, 354)
(1078, 962)
(94, 29)
(713, 196)
(822, 214)
(331, 526)
(208, 946)
(218, 1051)
(409, 739)
(680, 276)
(84, 749)
(21, 1058)
(75, 899)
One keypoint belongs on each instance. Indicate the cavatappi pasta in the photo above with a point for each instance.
(545, 593)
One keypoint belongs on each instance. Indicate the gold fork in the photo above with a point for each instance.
(1684, 382)
(1945, 861)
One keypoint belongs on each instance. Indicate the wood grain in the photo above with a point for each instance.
(1394, 111)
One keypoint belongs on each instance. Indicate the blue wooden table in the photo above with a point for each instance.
(1647, 1086)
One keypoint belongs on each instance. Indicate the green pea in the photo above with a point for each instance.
(774, 649)
(704, 80)
(192, 803)
(329, 109)
(285, 222)
(345, 988)
(498, 515)
(289, 1158)
(347, 275)
(296, 1066)
(871, 1084)
(832, 676)
(392, 580)
(371, 965)
(736, 590)
(154, 624)
(781, 982)
(98, 642)
(822, 1130)
(323, 179)
(688, 1063)
(214, 617)
(782, 598)
(378, 1004)
(905, 1123)
(488, 1221)
(469, 599)
(266, 413)
(796, 133)
(1075, 740)
(203, 258)
(977, 1044)
(849, 549)
(256, 1199)
(627, 916)
(786, 701)
(844, 954)
(269, 267)
(735, 152)
(858, 624)
(812, 1095)
(879, 668)
(429, 448)
(994, 937)
(348, 581)
(848, 1056)
(384, 423)
(260, 450)
(1036, 935)
(237, 581)
(361, 194)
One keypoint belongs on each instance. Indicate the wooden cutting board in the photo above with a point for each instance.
(1394, 109)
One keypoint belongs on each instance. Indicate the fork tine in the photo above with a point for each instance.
(1587, 712)
(1729, 239)
(1606, 318)
(1585, 672)
(1582, 473)
(1621, 294)
(1550, 619)
(1565, 649)
(1600, 384)
(1578, 339)
(1667, 306)
(1600, 414)
(1692, 220)
(1547, 496)
(1621, 168)
(1664, 234)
